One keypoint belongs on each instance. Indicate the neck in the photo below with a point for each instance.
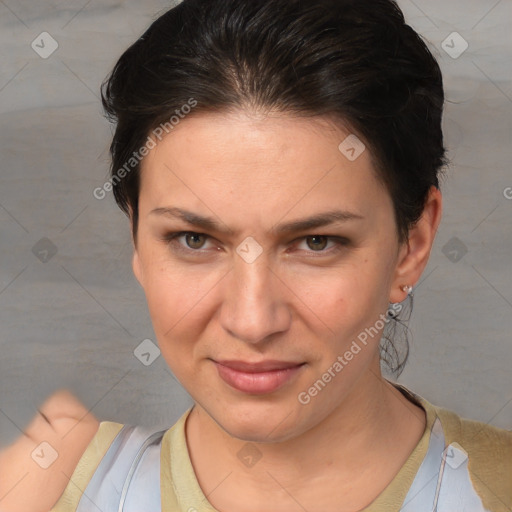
(371, 433)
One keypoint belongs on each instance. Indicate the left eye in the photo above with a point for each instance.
(195, 240)
(318, 243)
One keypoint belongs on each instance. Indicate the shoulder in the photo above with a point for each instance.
(481, 439)
(35, 470)
(484, 454)
(489, 452)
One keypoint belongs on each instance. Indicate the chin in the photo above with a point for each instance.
(259, 423)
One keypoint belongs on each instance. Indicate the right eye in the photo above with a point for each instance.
(187, 241)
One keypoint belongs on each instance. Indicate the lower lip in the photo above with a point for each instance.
(256, 383)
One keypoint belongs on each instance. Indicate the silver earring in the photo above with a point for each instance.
(406, 288)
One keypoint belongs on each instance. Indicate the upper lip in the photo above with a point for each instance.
(262, 366)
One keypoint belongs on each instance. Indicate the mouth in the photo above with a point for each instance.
(257, 378)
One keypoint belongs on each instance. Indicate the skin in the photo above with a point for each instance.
(68, 427)
(304, 299)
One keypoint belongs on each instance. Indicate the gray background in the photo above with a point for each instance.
(73, 319)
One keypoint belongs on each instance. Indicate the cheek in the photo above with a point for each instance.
(341, 296)
(345, 307)
(174, 301)
(165, 286)
(179, 301)
(175, 312)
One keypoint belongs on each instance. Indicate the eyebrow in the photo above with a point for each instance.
(209, 223)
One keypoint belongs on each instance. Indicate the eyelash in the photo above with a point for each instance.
(171, 239)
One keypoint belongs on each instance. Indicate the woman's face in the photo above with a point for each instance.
(294, 260)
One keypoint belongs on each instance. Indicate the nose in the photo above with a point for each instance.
(254, 305)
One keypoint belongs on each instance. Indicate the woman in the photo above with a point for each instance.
(279, 162)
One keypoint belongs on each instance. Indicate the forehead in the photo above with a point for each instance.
(251, 162)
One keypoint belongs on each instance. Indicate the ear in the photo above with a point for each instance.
(137, 267)
(136, 264)
(414, 254)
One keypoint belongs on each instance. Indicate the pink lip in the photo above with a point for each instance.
(257, 378)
